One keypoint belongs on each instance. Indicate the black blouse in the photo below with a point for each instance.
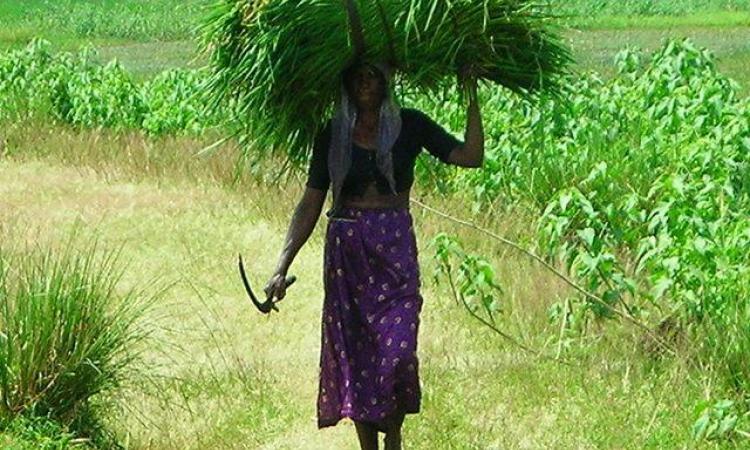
(417, 131)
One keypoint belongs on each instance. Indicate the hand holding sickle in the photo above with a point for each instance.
(279, 289)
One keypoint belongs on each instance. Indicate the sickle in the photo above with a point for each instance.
(268, 305)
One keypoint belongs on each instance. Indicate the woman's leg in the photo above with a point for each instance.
(368, 436)
(393, 434)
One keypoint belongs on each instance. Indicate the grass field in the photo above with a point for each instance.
(225, 377)
(238, 380)
(110, 21)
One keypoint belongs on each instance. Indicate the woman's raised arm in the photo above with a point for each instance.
(471, 153)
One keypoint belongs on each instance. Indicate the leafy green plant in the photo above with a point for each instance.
(38, 433)
(674, 239)
(175, 102)
(475, 279)
(99, 96)
(718, 421)
(641, 186)
(72, 89)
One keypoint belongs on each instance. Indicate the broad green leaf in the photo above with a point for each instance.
(587, 235)
(700, 427)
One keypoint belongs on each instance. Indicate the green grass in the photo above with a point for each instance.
(601, 29)
(147, 59)
(239, 380)
(69, 338)
(108, 20)
(39, 434)
(714, 19)
(147, 36)
(605, 8)
(233, 379)
(595, 49)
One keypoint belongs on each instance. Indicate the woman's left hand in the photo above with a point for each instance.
(467, 80)
(471, 153)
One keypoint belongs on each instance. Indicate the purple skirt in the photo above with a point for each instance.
(368, 359)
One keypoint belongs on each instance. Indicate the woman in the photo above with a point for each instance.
(370, 320)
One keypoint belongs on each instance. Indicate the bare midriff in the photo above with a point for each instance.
(372, 198)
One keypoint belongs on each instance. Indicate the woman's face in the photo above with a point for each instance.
(366, 86)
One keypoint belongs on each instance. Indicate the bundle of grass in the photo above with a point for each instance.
(67, 337)
(280, 60)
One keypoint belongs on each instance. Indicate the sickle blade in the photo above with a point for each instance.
(261, 307)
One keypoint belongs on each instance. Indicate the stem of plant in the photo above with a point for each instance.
(559, 274)
(460, 298)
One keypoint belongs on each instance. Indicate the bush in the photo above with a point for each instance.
(68, 337)
(176, 102)
(71, 89)
(642, 188)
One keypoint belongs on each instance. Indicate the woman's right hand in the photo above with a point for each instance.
(276, 286)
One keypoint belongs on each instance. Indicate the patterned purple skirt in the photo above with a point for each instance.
(368, 359)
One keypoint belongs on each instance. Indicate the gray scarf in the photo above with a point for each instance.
(342, 130)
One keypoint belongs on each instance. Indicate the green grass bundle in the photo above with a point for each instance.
(280, 60)
(66, 334)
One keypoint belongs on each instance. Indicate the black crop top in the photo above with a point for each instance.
(417, 131)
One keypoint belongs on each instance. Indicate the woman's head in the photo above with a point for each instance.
(366, 85)
(366, 88)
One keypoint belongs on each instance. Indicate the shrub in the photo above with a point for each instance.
(67, 336)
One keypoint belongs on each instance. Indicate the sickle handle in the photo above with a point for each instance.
(288, 281)
(269, 304)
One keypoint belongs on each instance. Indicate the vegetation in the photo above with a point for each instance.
(609, 8)
(258, 55)
(105, 21)
(68, 338)
(633, 186)
(38, 433)
(641, 185)
(72, 89)
(478, 391)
